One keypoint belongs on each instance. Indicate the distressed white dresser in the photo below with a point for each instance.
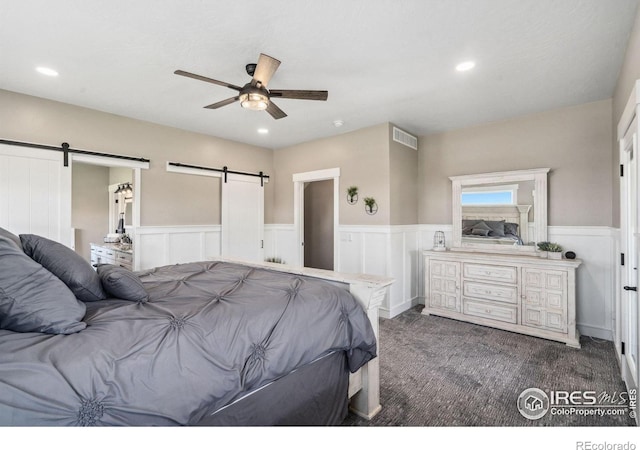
(523, 294)
(111, 254)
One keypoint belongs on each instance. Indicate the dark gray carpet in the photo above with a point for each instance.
(443, 372)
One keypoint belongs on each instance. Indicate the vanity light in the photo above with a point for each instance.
(464, 66)
(47, 71)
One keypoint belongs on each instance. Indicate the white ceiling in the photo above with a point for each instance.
(380, 60)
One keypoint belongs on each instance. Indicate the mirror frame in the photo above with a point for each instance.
(538, 176)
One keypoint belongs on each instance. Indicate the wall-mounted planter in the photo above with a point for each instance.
(352, 195)
(370, 205)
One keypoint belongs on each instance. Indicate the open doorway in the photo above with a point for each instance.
(316, 227)
(98, 201)
(318, 224)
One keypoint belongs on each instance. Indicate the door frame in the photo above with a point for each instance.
(628, 120)
(299, 180)
(136, 166)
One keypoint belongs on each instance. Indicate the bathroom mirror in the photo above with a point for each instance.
(502, 212)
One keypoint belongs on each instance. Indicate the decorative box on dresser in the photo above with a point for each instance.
(520, 293)
(111, 254)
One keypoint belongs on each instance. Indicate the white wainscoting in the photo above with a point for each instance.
(595, 278)
(159, 246)
(395, 251)
(378, 250)
(280, 242)
(385, 250)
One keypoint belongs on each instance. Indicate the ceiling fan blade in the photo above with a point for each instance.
(222, 103)
(265, 69)
(275, 112)
(302, 95)
(208, 80)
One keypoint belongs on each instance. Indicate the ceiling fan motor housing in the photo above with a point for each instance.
(251, 69)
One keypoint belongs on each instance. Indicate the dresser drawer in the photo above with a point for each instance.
(502, 274)
(488, 310)
(484, 291)
(123, 258)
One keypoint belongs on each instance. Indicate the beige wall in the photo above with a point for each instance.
(89, 206)
(574, 142)
(119, 175)
(363, 159)
(167, 198)
(403, 179)
(629, 73)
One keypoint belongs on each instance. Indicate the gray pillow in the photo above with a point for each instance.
(66, 264)
(122, 283)
(481, 226)
(468, 225)
(480, 232)
(12, 237)
(511, 228)
(497, 227)
(32, 299)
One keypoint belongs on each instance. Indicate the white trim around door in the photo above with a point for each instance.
(299, 179)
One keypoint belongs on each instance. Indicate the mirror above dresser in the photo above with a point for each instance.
(503, 212)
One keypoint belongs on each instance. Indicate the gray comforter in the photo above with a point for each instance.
(209, 333)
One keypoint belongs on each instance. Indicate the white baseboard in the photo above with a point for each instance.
(595, 332)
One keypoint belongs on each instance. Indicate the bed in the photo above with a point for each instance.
(204, 343)
(500, 225)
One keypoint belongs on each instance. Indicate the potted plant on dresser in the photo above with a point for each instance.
(552, 250)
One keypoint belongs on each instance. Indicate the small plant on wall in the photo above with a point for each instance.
(370, 205)
(352, 195)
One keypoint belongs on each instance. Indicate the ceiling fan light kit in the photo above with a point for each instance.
(254, 101)
(255, 95)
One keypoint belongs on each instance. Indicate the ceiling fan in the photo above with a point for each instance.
(255, 95)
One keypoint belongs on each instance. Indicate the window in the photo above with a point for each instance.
(490, 195)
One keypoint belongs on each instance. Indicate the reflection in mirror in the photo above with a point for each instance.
(121, 205)
(128, 213)
(504, 211)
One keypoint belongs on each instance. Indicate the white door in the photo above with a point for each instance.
(242, 218)
(630, 242)
(35, 193)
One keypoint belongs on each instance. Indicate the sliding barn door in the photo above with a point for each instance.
(35, 193)
(242, 218)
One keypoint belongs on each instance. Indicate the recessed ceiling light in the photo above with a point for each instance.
(263, 131)
(338, 123)
(47, 71)
(464, 66)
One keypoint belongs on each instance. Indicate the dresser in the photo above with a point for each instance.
(111, 254)
(520, 293)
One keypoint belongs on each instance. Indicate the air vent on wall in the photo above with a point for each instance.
(405, 138)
